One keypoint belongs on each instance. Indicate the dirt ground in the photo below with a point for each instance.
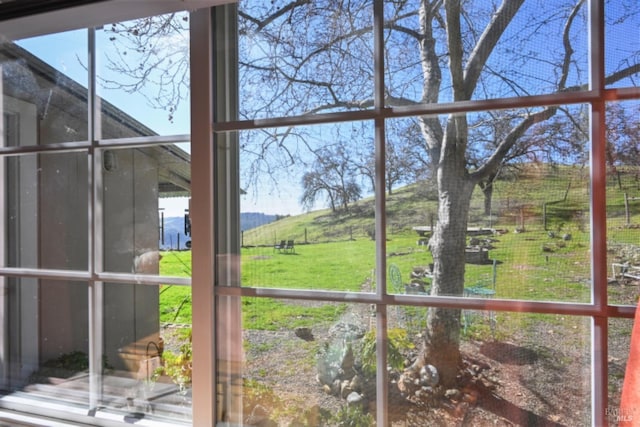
(540, 376)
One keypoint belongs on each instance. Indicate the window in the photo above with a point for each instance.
(96, 174)
(390, 142)
(400, 212)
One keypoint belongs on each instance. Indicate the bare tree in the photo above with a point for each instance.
(150, 56)
(623, 140)
(333, 175)
(316, 57)
(401, 164)
(301, 57)
(562, 139)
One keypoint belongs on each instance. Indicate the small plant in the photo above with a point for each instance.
(353, 416)
(178, 366)
(398, 344)
(256, 393)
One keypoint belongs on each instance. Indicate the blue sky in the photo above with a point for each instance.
(67, 52)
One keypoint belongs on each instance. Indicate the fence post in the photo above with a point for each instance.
(626, 209)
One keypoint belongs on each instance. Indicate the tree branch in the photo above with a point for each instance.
(260, 24)
(488, 40)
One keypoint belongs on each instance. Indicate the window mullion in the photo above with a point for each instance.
(599, 338)
(94, 245)
(380, 216)
(202, 217)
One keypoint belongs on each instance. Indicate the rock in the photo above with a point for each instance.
(453, 394)
(402, 385)
(356, 383)
(345, 389)
(429, 376)
(355, 399)
(347, 331)
(335, 387)
(470, 398)
(304, 333)
(259, 417)
(335, 361)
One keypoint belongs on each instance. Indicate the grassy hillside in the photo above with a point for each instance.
(336, 250)
(564, 189)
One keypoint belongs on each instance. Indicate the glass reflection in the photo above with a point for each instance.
(143, 72)
(148, 350)
(46, 87)
(45, 353)
(146, 198)
(145, 360)
(304, 372)
(45, 210)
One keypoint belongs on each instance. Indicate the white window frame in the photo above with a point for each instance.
(204, 210)
(92, 16)
(598, 310)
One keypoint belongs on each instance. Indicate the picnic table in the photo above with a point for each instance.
(426, 230)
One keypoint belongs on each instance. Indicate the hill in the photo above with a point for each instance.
(536, 193)
(175, 237)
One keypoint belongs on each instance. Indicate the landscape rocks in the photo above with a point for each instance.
(355, 399)
(304, 333)
(337, 368)
(625, 253)
(347, 331)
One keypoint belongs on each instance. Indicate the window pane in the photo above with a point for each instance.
(146, 199)
(622, 20)
(301, 368)
(526, 57)
(521, 225)
(147, 353)
(619, 346)
(623, 200)
(45, 210)
(143, 76)
(146, 361)
(309, 58)
(307, 215)
(45, 87)
(46, 348)
(518, 368)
